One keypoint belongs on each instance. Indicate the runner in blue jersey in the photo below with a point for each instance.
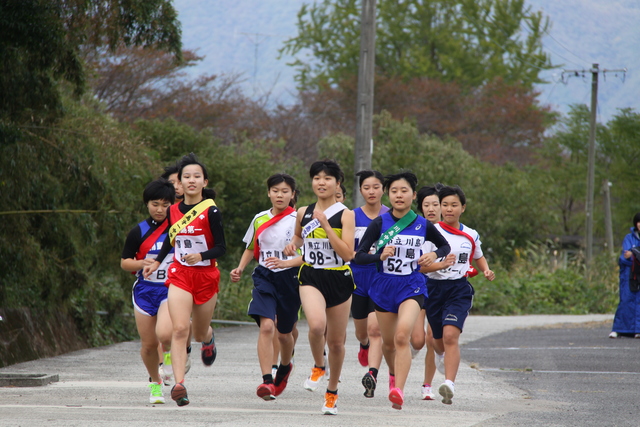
(362, 307)
(149, 295)
(398, 289)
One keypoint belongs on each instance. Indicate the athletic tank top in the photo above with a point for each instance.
(159, 276)
(317, 250)
(194, 238)
(408, 245)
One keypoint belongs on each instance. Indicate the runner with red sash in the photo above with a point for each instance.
(450, 293)
(275, 297)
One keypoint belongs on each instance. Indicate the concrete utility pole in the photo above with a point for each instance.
(591, 155)
(591, 163)
(364, 116)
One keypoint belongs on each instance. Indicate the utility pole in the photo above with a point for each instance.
(364, 116)
(591, 163)
(595, 71)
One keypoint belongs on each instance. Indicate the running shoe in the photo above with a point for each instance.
(330, 406)
(613, 335)
(363, 356)
(266, 391)
(636, 336)
(440, 363)
(179, 394)
(369, 383)
(427, 394)
(161, 374)
(187, 366)
(209, 351)
(396, 397)
(155, 390)
(446, 391)
(167, 368)
(414, 352)
(311, 383)
(280, 381)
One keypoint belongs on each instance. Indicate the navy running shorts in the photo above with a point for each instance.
(388, 291)
(147, 298)
(449, 303)
(275, 294)
(363, 277)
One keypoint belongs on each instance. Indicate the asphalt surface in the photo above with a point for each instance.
(516, 370)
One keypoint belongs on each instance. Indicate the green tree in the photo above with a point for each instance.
(41, 43)
(467, 41)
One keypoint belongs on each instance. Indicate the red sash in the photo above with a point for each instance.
(256, 247)
(148, 243)
(472, 272)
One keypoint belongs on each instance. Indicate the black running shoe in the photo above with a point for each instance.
(179, 394)
(369, 383)
(209, 352)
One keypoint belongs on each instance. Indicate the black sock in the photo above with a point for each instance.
(189, 349)
(267, 379)
(321, 367)
(332, 392)
(283, 370)
(365, 347)
(374, 372)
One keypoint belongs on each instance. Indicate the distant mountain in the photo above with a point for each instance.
(243, 36)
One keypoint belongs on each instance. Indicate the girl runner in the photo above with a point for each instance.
(198, 236)
(275, 291)
(362, 307)
(398, 290)
(450, 293)
(429, 204)
(325, 231)
(149, 295)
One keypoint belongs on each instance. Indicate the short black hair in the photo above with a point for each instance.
(448, 190)
(159, 189)
(344, 190)
(330, 167)
(364, 174)
(170, 170)
(636, 220)
(408, 176)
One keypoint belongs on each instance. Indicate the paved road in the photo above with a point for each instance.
(107, 386)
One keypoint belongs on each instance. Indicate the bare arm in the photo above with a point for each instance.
(246, 258)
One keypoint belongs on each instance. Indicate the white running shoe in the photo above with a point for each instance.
(414, 352)
(155, 395)
(613, 335)
(167, 367)
(187, 366)
(440, 363)
(427, 394)
(312, 382)
(330, 406)
(446, 391)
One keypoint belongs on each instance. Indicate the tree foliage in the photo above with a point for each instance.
(470, 42)
(41, 42)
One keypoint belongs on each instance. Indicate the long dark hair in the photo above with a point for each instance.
(279, 178)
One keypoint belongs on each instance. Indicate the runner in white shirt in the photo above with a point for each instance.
(450, 293)
(275, 293)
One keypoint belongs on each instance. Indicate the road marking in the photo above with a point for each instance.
(546, 348)
(521, 370)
